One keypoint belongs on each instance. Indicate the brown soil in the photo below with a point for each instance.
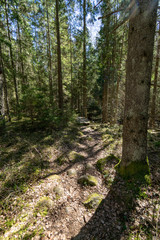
(124, 213)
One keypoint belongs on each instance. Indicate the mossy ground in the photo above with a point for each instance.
(93, 200)
(29, 171)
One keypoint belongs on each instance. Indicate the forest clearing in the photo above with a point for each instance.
(79, 120)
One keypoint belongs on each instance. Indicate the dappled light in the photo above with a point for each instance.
(79, 120)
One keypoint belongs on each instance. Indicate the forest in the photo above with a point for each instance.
(79, 119)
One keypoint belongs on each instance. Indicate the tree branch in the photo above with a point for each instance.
(109, 14)
(98, 3)
(120, 24)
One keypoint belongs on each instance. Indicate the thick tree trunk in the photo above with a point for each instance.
(154, 94)
(60, 85)
(138, 79)
(106, 70)
(84, 62)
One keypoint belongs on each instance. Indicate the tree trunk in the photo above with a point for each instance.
(105, 101)
(60, 85)
(5, 86)
(154, 94)
(49, 58)
(12, 61)
(84, 62)
(138, 80)
(23, 82)
(1, 92)
(71, 62)
(118, 80)
(106, 63)
(2, 119)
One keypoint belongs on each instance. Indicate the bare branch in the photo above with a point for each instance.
(109, 14)
(98, 3)
(152, 84)
(120, 24)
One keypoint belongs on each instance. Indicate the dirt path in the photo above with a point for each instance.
(53, 207)
(70, 214)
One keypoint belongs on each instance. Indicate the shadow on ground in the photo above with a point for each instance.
(115, 217)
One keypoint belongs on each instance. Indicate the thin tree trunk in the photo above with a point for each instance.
(154, 94)
(11, 58)
(118, 80)
(60, 85)
(84, 62)
(138, 79)
(105, 102)
(21, 59)
(1, 92)
(71, 57)
(49, 58)
(5, 87)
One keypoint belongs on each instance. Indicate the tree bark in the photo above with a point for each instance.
(4, 86)
(60, 85)
(138, 80)
(1, 93)
(49, 58)
(118, 80)
(106, 69)
(23, 82)
(84, 62)
(154, 94)
(105, 102)
(71, 62)
(11, 58)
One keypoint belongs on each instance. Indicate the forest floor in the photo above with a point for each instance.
(51, 186)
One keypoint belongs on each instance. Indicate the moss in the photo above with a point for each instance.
(101, 164)
(88, 180)
(54, 177)
(80, 134)
(103, 161)
(44, 205)
(75, 157)
(59, 191)
(72, 172)
(136, 169)
(93, 200)
(60, 160)
(89, 138)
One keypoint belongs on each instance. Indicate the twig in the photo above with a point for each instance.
(38, 152)
(98, 3)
